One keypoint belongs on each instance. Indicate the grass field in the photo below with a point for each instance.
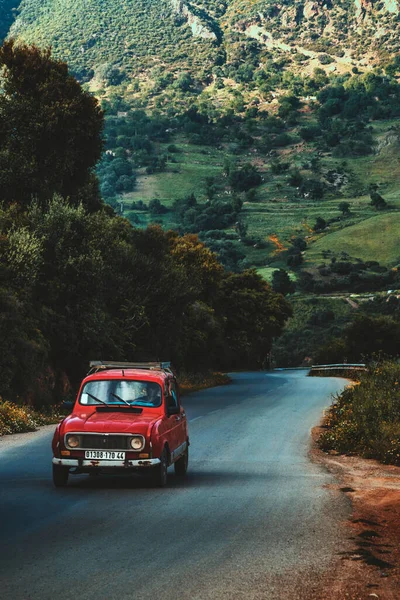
(376, 238)
(185, 176)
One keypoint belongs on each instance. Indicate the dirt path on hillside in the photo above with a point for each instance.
(371, 569)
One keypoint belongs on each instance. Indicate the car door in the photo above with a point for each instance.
(173, 421)
(181, 422)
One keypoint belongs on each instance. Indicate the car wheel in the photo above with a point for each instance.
(60, 475)
(181, 465)
(160, 472)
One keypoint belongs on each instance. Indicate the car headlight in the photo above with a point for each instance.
(137, 443)
(73, 441)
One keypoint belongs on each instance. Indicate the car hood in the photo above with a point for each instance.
(118, 422)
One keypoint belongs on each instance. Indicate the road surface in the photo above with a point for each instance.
(252, 520)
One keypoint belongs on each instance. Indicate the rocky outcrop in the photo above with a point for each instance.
(198, 27)
(363, 7)
(311, 9)
(289, 18)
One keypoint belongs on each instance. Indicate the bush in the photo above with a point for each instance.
(279, 167)
(365, 418)
(245, 178)
(320, 224)
(20, 419)
(156, 208)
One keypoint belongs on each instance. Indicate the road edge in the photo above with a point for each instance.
(14, 440)
(371, 568)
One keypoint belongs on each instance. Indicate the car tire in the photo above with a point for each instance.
(160, 472)
(60, 475)
(181, 465)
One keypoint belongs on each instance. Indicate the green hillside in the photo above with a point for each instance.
(372, 238)
(198, 35)
(108, 41)
(303, 94)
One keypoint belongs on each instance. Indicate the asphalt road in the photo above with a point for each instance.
(252, 520)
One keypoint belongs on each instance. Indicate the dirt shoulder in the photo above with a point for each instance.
(371, 569)
(195, 382)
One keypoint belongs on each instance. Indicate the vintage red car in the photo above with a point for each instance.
(127, 417)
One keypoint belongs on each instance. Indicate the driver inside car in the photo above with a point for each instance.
(154, 394)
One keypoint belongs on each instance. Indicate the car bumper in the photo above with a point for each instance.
(83, 463)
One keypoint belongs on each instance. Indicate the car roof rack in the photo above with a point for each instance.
(106, 365)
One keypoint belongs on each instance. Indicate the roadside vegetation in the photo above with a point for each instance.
(365, 418)
(21, 419)
(194, 382)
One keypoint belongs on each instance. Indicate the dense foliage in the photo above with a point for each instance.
(111, 41)
(50, 129)
(365, 418)
(81, 285)
(332, 330)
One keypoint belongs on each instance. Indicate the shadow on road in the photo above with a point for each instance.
(132, 482)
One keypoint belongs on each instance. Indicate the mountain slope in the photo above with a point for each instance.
(134, 36)
(306, 92)
(129, 35)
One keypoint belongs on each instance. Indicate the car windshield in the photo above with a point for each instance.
(121, 391)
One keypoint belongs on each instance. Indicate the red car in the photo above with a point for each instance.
(127, 417)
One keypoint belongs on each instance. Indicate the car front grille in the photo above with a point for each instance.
(105, 442)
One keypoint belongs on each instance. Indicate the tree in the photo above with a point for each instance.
(184, 82)
(344, 207)
(320, 224)
(251, 195)
(244, 178)
(156, 208)
(50, 129)
(295, 257)
(369, 335)
(253, 316)
(282, 283)
(295, 178)
(377, 200)
(299, 243)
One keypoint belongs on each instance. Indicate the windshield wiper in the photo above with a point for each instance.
(119, 398)
(97, 399)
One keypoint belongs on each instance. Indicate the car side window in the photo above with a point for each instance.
(172, 394)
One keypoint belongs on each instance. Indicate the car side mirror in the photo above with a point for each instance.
(173, 410)
(67, 405)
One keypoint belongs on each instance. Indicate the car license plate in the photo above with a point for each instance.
(104, 455)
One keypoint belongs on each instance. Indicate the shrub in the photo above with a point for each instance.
(365, 418)
(320, 224)
(279, 167)
(20, 419)
(245, 178)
